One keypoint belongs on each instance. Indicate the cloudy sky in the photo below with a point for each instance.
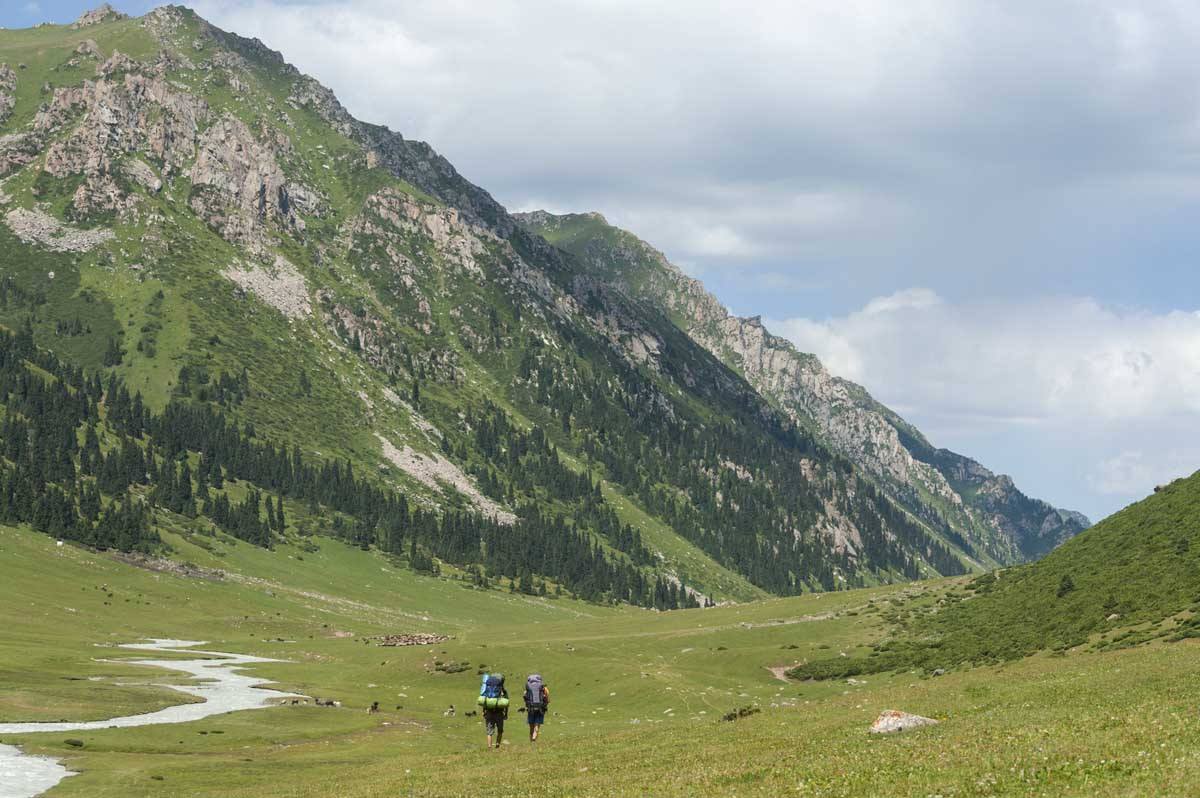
(985, 212)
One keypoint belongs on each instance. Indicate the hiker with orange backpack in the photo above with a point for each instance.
(537, 701)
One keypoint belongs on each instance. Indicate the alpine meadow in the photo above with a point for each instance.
(290, 404)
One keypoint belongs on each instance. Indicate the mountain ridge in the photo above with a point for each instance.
(938, 485)
(186, 212)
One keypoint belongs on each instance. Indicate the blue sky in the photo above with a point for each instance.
(27, 13)
(983, 212)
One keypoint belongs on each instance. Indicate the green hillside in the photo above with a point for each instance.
(254, 301)
(955, 498)
(1132, 579)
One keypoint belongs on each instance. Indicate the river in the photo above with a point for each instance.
(220, 685)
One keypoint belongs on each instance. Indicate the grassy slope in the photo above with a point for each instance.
(1086, 724)
(1132, 578)
(622, 258)
(635, 265)
(201, 320)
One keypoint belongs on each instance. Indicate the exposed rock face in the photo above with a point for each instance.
(142, 173)
(891, 721)
(391, 212)
(238, 185)
(281, 286)
(997, 523)
(132, 124)
(129, 111)
(104, 13)
(436, 472)
(37, 227)
(8, 89)
(310, 93)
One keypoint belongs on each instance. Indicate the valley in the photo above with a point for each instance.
(284, 383)
(638, 695)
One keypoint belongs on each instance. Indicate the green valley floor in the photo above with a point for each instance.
(638, 696)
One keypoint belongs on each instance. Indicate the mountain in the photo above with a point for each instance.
(230, 310)
(982, 512)
(1131, 579)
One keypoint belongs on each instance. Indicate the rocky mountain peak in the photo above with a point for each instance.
(98, 15)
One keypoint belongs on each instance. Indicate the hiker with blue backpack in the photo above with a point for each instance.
(493, 699)
(537, 701)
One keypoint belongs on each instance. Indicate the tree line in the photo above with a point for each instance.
(84, 459)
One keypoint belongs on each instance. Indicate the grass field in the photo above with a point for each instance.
(638, 695)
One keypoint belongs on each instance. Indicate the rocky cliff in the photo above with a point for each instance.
(955, 495)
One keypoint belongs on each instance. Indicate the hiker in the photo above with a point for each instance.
(537, 701)
(493, 698)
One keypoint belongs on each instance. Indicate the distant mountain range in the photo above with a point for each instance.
(982, 512)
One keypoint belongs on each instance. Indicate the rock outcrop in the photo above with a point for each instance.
(114, 127)
(891, 721)
(239, 186)
(8, 92)
(103, 13)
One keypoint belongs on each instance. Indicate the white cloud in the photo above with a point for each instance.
(852, 134)
(1113, 395)
(909, 299)
(1133, 472)
(1032, 358)
(720, 240)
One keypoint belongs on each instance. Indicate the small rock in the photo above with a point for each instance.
(891, 721)
(74, 743)
(1116, 616)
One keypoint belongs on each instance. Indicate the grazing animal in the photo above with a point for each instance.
(374, 708)
(470, 714)
(449, 713)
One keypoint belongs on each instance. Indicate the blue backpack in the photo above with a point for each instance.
(491, 692)
(492, 686)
